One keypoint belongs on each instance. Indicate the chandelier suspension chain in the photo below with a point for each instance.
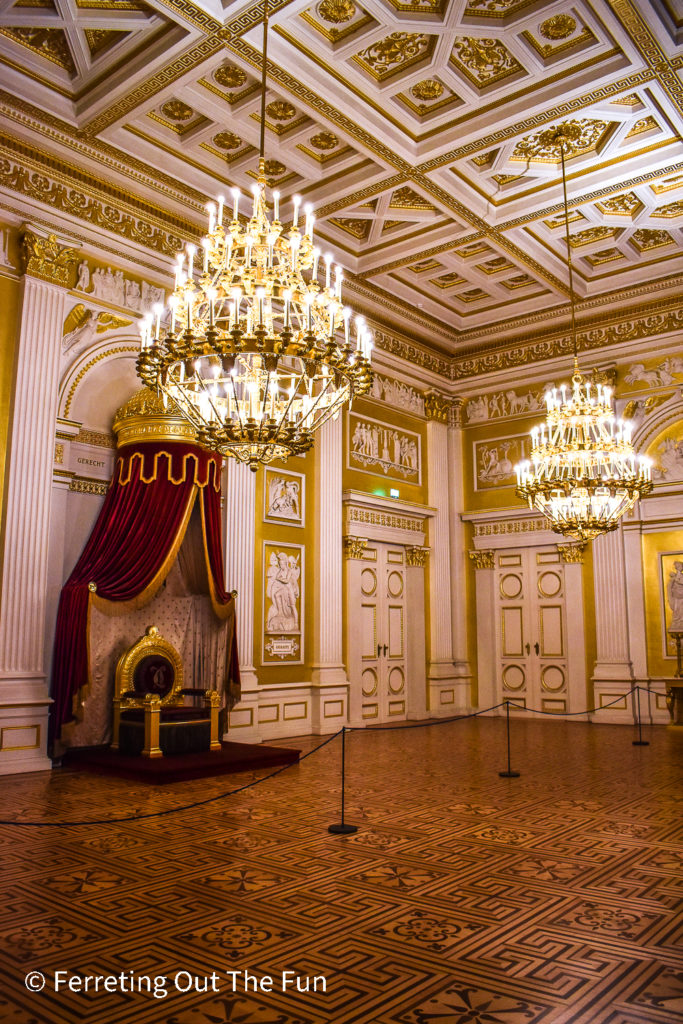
(264, 70)
(572, 297)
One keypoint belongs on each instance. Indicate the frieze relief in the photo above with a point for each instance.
(397, 394)
(284, 495)
(114, 287)
(376, 447)
(505, 403)
(668, 371)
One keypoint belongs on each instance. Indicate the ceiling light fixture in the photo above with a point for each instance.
(251, 357)
(583, 473)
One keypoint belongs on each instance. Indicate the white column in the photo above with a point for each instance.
(440, 667)
(484, 561)
(330, 685)
(240, 526)
(416, 689)
(24, 700)
(613, 671)
(463, 671)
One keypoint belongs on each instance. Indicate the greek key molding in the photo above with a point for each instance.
(484, 559)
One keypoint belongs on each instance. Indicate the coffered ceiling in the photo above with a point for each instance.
(415, 127)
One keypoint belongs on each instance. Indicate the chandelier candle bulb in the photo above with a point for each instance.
(221, 204)
(297, 203)
(276, 207)
(235, 193)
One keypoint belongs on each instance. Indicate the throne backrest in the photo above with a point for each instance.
(151, 665)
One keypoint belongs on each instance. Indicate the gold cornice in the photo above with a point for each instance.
(39, 175)
(59, 131)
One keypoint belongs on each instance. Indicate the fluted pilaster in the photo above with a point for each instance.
(327, 643)
(24, 699)
(240, 523)
(458, 573)
(611, 613)
(440, 662)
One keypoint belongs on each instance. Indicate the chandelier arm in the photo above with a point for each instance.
(262, 142)
(237, 404)
(264, 403)
(569, 259)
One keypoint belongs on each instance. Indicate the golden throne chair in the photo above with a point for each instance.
(151, 715)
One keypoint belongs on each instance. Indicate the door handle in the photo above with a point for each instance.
(379, 650)
(528, 648)
(385, 650)
(537, 647)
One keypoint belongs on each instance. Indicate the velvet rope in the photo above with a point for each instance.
(131, 549)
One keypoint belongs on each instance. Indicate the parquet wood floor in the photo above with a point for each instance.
(464, 898)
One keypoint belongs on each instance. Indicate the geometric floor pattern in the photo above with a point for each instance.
(464, 898)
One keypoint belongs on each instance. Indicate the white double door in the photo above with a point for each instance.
(540, 657)
(382, 639)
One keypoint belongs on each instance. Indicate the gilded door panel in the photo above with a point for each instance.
(512, 631)
(550, 631)
(369, 631)
(395, 631)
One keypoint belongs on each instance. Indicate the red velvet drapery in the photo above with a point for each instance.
(131, 549)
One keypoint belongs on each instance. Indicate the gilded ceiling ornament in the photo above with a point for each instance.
(230, 76)
(649, 238)
(626, 203)
(429, 89)
(358, 227)
(48, 42)
(46, 259)
(227, 140)
(394, 52)
(336, 12)
(281, 110)
(491, 7)
(584, 135)
(558, 27)
(274, 168)
(484, 60)
(177, 110)
(670, 210)
(643, 125)
(101, 39)
(324, 140)
(590, 235)
(406, 198)
(448, 280)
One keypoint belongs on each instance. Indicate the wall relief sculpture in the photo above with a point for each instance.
(494, 461)
(379, 447)
(397, 394)
(283, 602)
(667, 372)
(113, 286)
(284, 495)
(506, 403)
(668, 460)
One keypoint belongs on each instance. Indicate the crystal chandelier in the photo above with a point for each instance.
(583, 473)
(252, 357)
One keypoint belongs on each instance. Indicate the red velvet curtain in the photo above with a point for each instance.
(131, 548)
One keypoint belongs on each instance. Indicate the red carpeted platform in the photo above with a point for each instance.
(233, 757)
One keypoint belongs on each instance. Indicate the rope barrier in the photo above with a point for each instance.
(173, 810)
(284, 768)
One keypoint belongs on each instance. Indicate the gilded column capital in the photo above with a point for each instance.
(455, 412)
(483, 559)
(416, 555)
(354, 546)
(45, 257)
(436, 406)
(572, 552)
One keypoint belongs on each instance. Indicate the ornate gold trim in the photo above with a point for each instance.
(354, 546)
(484, 559)
(572, 553)
(416, 556)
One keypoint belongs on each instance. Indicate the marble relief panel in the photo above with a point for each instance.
(284, 496)
(283, 584)
(376, 447)
(494, 461)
